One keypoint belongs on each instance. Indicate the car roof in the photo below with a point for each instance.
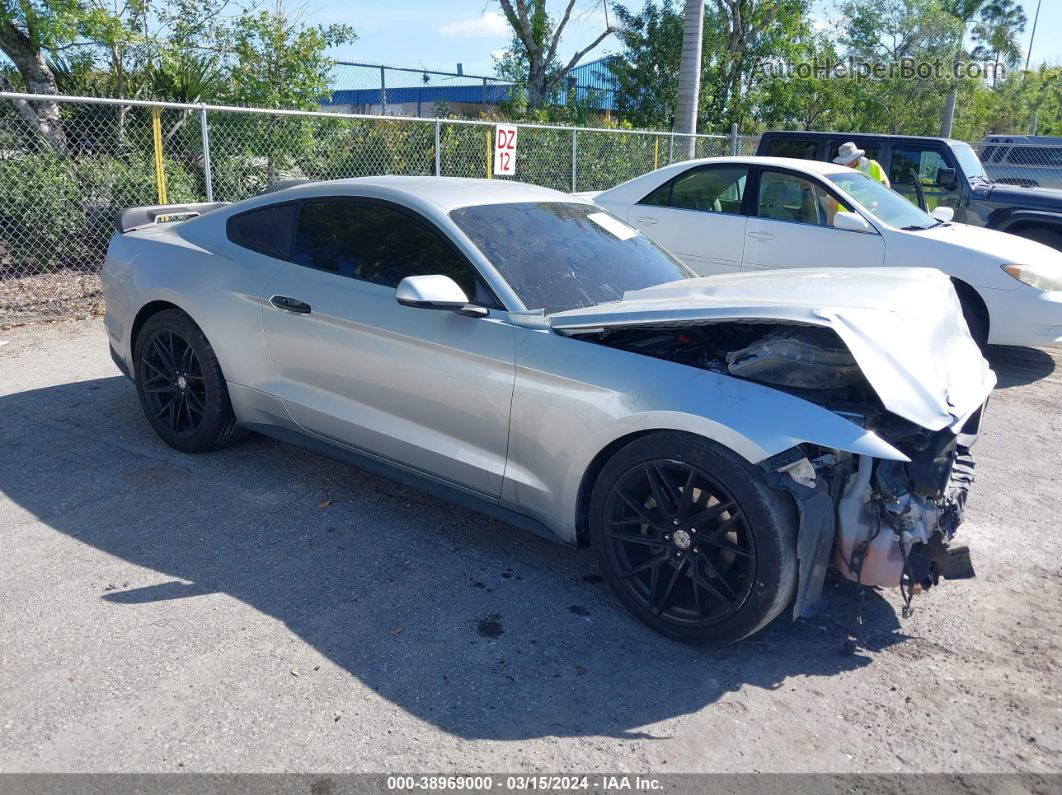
(447, 193)
(792, 163)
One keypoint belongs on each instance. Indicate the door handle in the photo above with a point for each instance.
(761, 235)
(645, 219)
(290, 304)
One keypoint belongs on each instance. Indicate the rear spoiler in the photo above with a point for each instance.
(137, 217)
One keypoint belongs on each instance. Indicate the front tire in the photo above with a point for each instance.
(181, 387)
(692, 539)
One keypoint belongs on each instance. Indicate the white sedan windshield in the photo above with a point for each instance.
(884, 203)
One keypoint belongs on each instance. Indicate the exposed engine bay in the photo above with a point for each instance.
(882, 523)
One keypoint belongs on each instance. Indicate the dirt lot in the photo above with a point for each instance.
(165, 612)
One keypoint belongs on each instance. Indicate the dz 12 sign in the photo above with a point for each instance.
(505, 149)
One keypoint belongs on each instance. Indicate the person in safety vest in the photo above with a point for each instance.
(852, 156)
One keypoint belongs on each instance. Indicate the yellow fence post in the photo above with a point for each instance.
(160, 172)
(656, 153)
(490, 160)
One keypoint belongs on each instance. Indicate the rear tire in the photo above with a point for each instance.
(181, 387)
(692, 539)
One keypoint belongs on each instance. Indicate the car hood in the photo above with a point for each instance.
(1026, 197)
(1000, 247)
(903, 326)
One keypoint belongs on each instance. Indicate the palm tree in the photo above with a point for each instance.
(997, 31)
(963, 11)
(689, 80)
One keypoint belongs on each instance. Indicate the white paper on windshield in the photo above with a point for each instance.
(613, 225)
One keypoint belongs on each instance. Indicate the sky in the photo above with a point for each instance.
(429, 34)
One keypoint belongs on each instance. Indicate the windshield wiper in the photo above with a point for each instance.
(917, 228)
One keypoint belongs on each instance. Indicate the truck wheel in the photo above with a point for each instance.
(1049, 237)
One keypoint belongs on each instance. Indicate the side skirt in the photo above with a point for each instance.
(407, 476)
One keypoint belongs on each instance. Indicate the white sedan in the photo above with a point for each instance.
(727, 214)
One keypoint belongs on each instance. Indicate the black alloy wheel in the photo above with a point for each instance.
(173, 383)
(692, 539)
(679, 543)
(181, 387)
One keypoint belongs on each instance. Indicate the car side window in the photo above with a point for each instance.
(267, 230)
(788, 197)
(718, 189)
(712, 190)
(909, 161)
(373, 243)
(660, 197)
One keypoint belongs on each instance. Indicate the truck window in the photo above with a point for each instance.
(922, 160)
(872, 150)
(800, 149)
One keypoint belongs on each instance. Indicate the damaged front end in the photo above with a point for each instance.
(886, 349)
(882, 523)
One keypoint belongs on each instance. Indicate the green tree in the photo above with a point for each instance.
(739, 37)
(646, 75)
(891, 33)
(812, 97)
(279, 62)
(532, 57)
(29, 29)
(963, 12)
(996, 34)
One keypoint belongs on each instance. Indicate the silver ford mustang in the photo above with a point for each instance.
(719, 441)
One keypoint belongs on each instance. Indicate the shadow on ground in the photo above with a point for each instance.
(480, 628)
(1019, 366)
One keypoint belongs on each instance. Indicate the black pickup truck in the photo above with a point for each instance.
(934, 172)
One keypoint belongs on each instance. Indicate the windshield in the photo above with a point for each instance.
(969, 163)
(884, 203)
(559, 256)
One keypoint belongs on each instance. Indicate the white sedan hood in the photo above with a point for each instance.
(1000, 247)
(904, 327)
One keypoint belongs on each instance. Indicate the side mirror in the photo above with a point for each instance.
(943, 214)
(947, 178)
(435, 292)
(850, 222)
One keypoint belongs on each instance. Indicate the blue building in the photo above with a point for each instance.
(402, 91)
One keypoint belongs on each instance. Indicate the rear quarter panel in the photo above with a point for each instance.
(195, 268)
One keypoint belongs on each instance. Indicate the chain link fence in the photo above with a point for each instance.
(1025, 160)
(58, 199)
(58, 202)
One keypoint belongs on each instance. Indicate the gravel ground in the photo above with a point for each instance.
(265, 609)
(67, 294)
